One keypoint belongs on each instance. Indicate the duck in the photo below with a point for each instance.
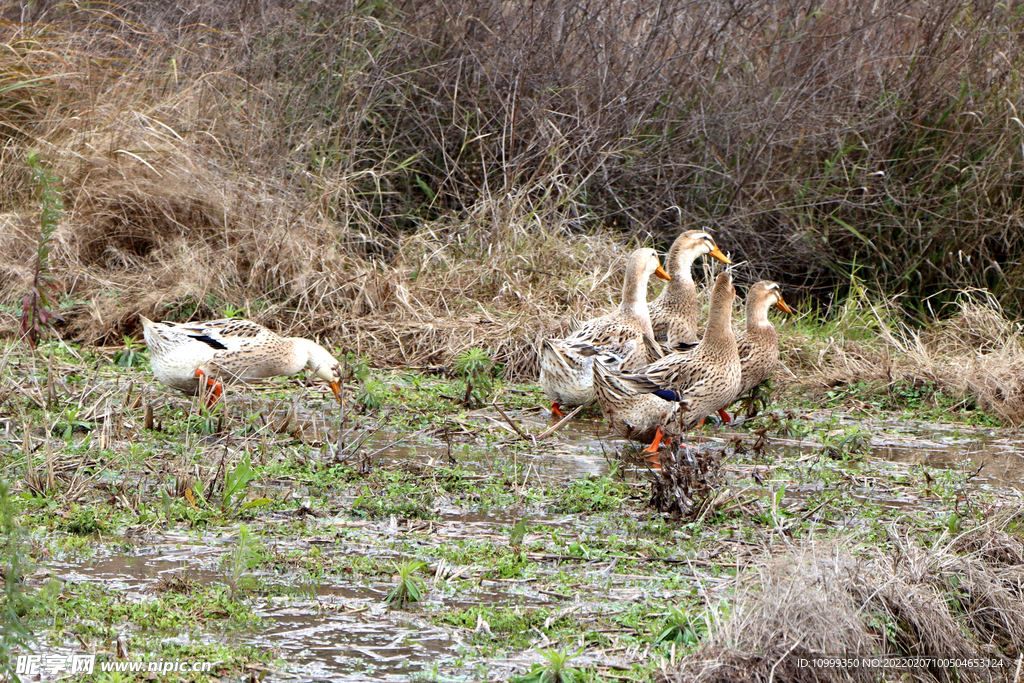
(616, 339)
(632, 415)
(674, 313)
(704, 378)
(191, 356)
(758, 345)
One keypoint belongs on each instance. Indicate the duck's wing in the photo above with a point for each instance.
(611, 336)
(655, 350)
(226, 334)
(674, 374)
(681, 346)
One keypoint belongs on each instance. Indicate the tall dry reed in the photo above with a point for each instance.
(292, 161)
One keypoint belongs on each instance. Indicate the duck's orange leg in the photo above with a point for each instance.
(217, 390)
(653, 448)
(215, 387)
(722, 413)
(556, 410)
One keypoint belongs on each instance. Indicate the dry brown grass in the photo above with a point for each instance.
(410, 183)
(961, 598)
(194, 182)
(973, 352)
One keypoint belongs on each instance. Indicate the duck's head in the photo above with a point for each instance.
(771, 295)
(646, 263)
(325, 366)
(723, 292)
(692, 244)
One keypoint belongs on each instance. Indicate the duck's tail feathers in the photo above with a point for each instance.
(609, 383)
(653, 348)
(612, 361)
(561, 358)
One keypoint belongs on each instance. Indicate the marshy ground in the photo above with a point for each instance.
(266, 536)
(430, 188)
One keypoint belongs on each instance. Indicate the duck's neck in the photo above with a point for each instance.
(681, 262)
(757, 313)
(720, 312)
(318, 359)
(634, 297)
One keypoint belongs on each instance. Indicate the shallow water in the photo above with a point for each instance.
(340, 630)
(337, 630)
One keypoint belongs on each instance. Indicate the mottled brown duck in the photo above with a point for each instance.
(758, 345)
(674, 313)
(566, 365)
(704, 378)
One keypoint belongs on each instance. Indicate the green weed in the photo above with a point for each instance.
(475, 370)
(681, 628)
(590, 494)
(132, 355)
(517, 533)
(399, 498)
(556, 670)
(409, 589)
(841, 444)
(83, 522)
(513, 626)
(372, 394)
(236, 481)
(17, 600)
(36, 309)
(239, 562)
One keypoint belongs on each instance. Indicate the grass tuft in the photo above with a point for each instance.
(409, 589)
(953, 600)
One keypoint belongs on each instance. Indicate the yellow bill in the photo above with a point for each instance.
(717, 253)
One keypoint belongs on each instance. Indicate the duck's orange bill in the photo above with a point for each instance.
(783, 306)
(717, 253)
(336, 388)
(660, 272)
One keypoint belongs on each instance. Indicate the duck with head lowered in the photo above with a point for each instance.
(566, 365)
(632, 415)
(187, 356)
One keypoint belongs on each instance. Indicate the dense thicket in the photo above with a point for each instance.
(871, 138)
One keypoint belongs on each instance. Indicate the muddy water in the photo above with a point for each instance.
(585, 447)
(350, 635)
(998, 460)
(341, 630)
(995, 455)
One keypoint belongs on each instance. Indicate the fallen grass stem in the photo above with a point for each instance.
(512, 423)
(560, 424)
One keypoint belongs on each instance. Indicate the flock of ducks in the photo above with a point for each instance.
(646, 365)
